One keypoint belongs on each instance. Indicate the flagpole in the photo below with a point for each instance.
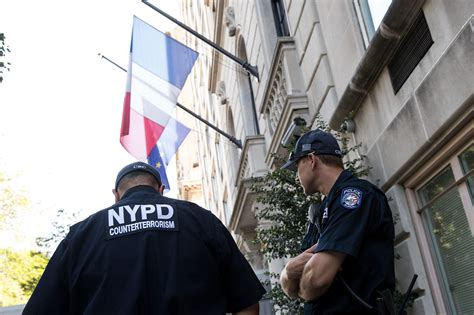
(115, 64)
(234, 140)
(253, 70)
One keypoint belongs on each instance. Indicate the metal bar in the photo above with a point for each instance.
(235, 141)
(102, 56)
(253, 70)
(407, 294)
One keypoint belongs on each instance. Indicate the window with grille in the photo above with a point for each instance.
(448, 215)
(413, 47)
(280, 18)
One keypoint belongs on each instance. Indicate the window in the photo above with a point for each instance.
(467, 161)
(370, 13)
(447, 211)
(218, 152)
(279, 17)
(227, 213)
(213, 182)
(246, 97)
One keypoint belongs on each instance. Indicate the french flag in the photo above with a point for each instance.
(157, 70)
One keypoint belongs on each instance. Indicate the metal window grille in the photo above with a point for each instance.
(412, 49)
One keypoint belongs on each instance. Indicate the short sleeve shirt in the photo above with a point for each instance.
(147, 254)
(355, 220)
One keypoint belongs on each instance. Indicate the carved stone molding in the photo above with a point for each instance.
(284, 100)
(222, 93)
(252, 164)
(229, 20)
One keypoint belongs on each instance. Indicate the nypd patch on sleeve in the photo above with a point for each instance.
(128, 219)
(351, 198)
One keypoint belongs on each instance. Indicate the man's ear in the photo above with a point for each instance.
(314, 160)
(116, 194)
(162, 189)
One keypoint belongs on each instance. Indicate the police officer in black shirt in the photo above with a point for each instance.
(347, 262)
(147, 254)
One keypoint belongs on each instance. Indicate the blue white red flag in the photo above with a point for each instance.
(155, 160)
(157, 70)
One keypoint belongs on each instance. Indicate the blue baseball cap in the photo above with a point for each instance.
(137, 167)
(314, 141)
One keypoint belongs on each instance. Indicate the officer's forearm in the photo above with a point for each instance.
(319, 273)
(311, 287)
(291, 287)
(291, 274)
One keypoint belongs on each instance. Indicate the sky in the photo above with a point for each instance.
(378, 9)
(61, 103)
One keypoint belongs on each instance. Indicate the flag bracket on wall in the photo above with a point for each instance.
(253, 70)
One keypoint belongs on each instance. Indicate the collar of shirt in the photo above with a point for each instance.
(136, 189)
(343, 177)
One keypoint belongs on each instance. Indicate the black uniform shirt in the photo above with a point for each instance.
(355, 220)
(147, 254)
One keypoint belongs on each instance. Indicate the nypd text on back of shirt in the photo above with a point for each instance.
(128, 219)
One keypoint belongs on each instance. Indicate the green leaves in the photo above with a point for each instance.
(59, 229)
(11, 201)
(284, 212)
(3, 50)
(21, 271)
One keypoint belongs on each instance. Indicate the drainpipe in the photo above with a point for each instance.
(397, 21)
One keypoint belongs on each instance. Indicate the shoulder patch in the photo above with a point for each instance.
(351, 198)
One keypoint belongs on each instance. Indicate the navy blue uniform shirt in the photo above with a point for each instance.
(147, 254)
(355, 220)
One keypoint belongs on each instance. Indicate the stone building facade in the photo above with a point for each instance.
(400, 78)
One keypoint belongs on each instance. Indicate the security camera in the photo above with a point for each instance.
(349, 125)
(293, 131)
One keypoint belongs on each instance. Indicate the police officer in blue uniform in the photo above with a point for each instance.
(147, 254)
(347, 260)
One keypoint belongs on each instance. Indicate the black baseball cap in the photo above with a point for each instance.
(137, 167)
(314, 141)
